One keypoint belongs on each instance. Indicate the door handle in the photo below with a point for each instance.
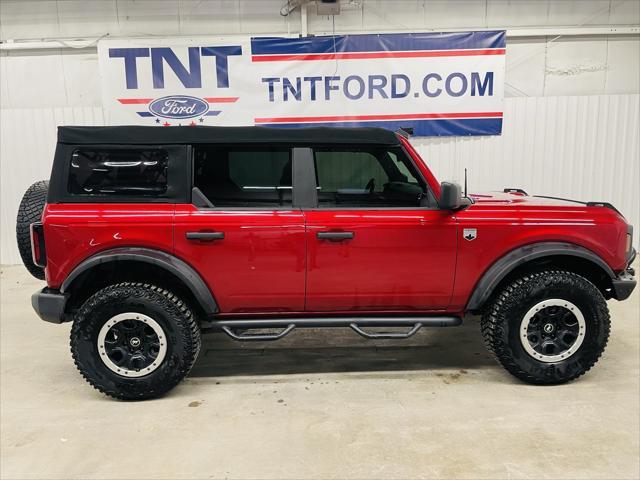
(335, 236)
(204, 236)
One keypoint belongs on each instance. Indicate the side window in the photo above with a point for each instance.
(402, 167)
(244, 177)
(366, 177)
(340, 170)
(112, 172)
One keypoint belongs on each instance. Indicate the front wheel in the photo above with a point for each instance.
(548, 327)
(134, 341)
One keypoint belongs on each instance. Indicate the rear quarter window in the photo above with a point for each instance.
(118, 172)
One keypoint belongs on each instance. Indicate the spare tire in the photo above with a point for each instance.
(30, 211)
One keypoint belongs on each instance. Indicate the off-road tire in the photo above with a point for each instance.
(502, 319)
(170, 312)
(30, 211)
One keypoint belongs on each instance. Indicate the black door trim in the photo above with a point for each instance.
(305, 194)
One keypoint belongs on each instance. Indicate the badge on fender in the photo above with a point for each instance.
(470, 234)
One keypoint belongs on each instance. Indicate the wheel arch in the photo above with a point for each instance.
(143, 265)
(535, 257)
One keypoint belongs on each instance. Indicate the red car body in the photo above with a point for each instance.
(149, 237)
(401, 261)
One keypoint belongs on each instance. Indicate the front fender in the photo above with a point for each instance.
(506, 264)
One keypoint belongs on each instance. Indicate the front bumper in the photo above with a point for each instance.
(625, 283)
(49, 305)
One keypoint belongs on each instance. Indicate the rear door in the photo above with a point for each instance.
(248, 243)
(376, 240)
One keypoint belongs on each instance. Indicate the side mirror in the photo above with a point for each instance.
(450, 196)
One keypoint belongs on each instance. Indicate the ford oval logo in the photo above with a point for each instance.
(178, 106)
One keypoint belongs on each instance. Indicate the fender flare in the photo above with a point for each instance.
(164, 260)
(506, 264)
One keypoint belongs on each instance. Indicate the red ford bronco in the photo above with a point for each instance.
(147, 236)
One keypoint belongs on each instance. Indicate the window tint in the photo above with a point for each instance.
(340, 170)
(131, 172)
(366, 177)
(244, 177)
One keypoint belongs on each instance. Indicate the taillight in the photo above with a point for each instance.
(630, 252)
(38, 252)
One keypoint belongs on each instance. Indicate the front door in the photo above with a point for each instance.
(246, 239)
(376, 241)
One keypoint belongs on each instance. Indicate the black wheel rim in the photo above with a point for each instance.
(132, 344)
(552, 330)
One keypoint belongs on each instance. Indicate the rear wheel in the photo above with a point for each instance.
(30, 211)
(547, 328)
(134, 341)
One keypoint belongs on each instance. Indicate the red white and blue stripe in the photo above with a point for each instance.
(367, 47)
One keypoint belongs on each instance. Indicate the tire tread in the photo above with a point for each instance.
(493, 319)
(184, 318)
(30, 211)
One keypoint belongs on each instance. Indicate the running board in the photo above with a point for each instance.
(258, 336)
(287, 325)
(385, 335)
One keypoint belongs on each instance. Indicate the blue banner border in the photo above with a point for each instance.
(379, 42)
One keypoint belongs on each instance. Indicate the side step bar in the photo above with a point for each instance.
(253, 336)
(234, 328)
(386, 335)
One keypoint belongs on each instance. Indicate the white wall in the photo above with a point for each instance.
(571, 130)
(542, 65)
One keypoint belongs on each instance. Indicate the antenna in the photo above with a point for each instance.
(465, 183)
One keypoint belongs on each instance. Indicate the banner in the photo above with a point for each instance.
(438, 84)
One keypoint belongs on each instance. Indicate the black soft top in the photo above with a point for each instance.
(136, 135)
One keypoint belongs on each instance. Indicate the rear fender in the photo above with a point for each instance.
(185, 273)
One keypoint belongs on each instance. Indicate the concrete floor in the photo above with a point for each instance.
(319, 404)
